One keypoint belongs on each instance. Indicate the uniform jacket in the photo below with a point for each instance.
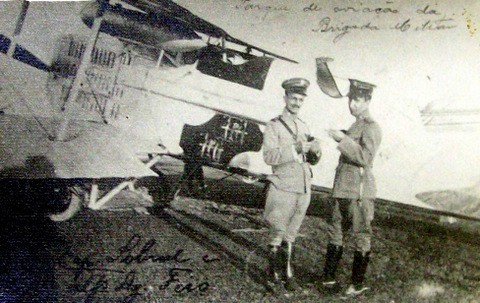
(290, 172)
(353, 177)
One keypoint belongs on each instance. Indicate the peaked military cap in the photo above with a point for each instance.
(296, 86)
(360, 88)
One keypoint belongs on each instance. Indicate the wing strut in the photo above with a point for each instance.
(18, 28)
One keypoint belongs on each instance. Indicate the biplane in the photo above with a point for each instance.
(94, 127)
(147, 80)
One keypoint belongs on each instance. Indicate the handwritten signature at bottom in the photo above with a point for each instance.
(128, 289)
(97, 280)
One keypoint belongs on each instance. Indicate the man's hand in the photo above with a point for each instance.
(336, 135)
(302, 147)
(315, 146)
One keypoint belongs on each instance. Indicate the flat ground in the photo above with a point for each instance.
(214, 250)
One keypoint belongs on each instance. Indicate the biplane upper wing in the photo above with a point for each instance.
(187, 18)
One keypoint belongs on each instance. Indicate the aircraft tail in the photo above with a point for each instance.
(325, 79)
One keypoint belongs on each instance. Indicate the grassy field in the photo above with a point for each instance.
(224, 246)
(214, 250)
(224, 239)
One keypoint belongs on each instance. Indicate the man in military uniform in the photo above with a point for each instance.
(287, 147)
(354, 189)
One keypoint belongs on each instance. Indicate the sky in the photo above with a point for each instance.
(416, 52)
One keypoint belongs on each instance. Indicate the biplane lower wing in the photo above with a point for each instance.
(91, 151)
(31, 161)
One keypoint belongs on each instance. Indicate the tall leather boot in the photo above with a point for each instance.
(274, 270)
(366, 260)
(359, 268)
(333, 257)
(290, 281)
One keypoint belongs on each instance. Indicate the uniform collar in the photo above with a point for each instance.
(286, 115)
(365, 117)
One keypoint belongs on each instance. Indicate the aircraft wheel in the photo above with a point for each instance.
(74, 201)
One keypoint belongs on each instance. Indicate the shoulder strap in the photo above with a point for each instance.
(288, 128)
(300, 120)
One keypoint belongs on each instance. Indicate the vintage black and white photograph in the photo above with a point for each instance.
(240, 151)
